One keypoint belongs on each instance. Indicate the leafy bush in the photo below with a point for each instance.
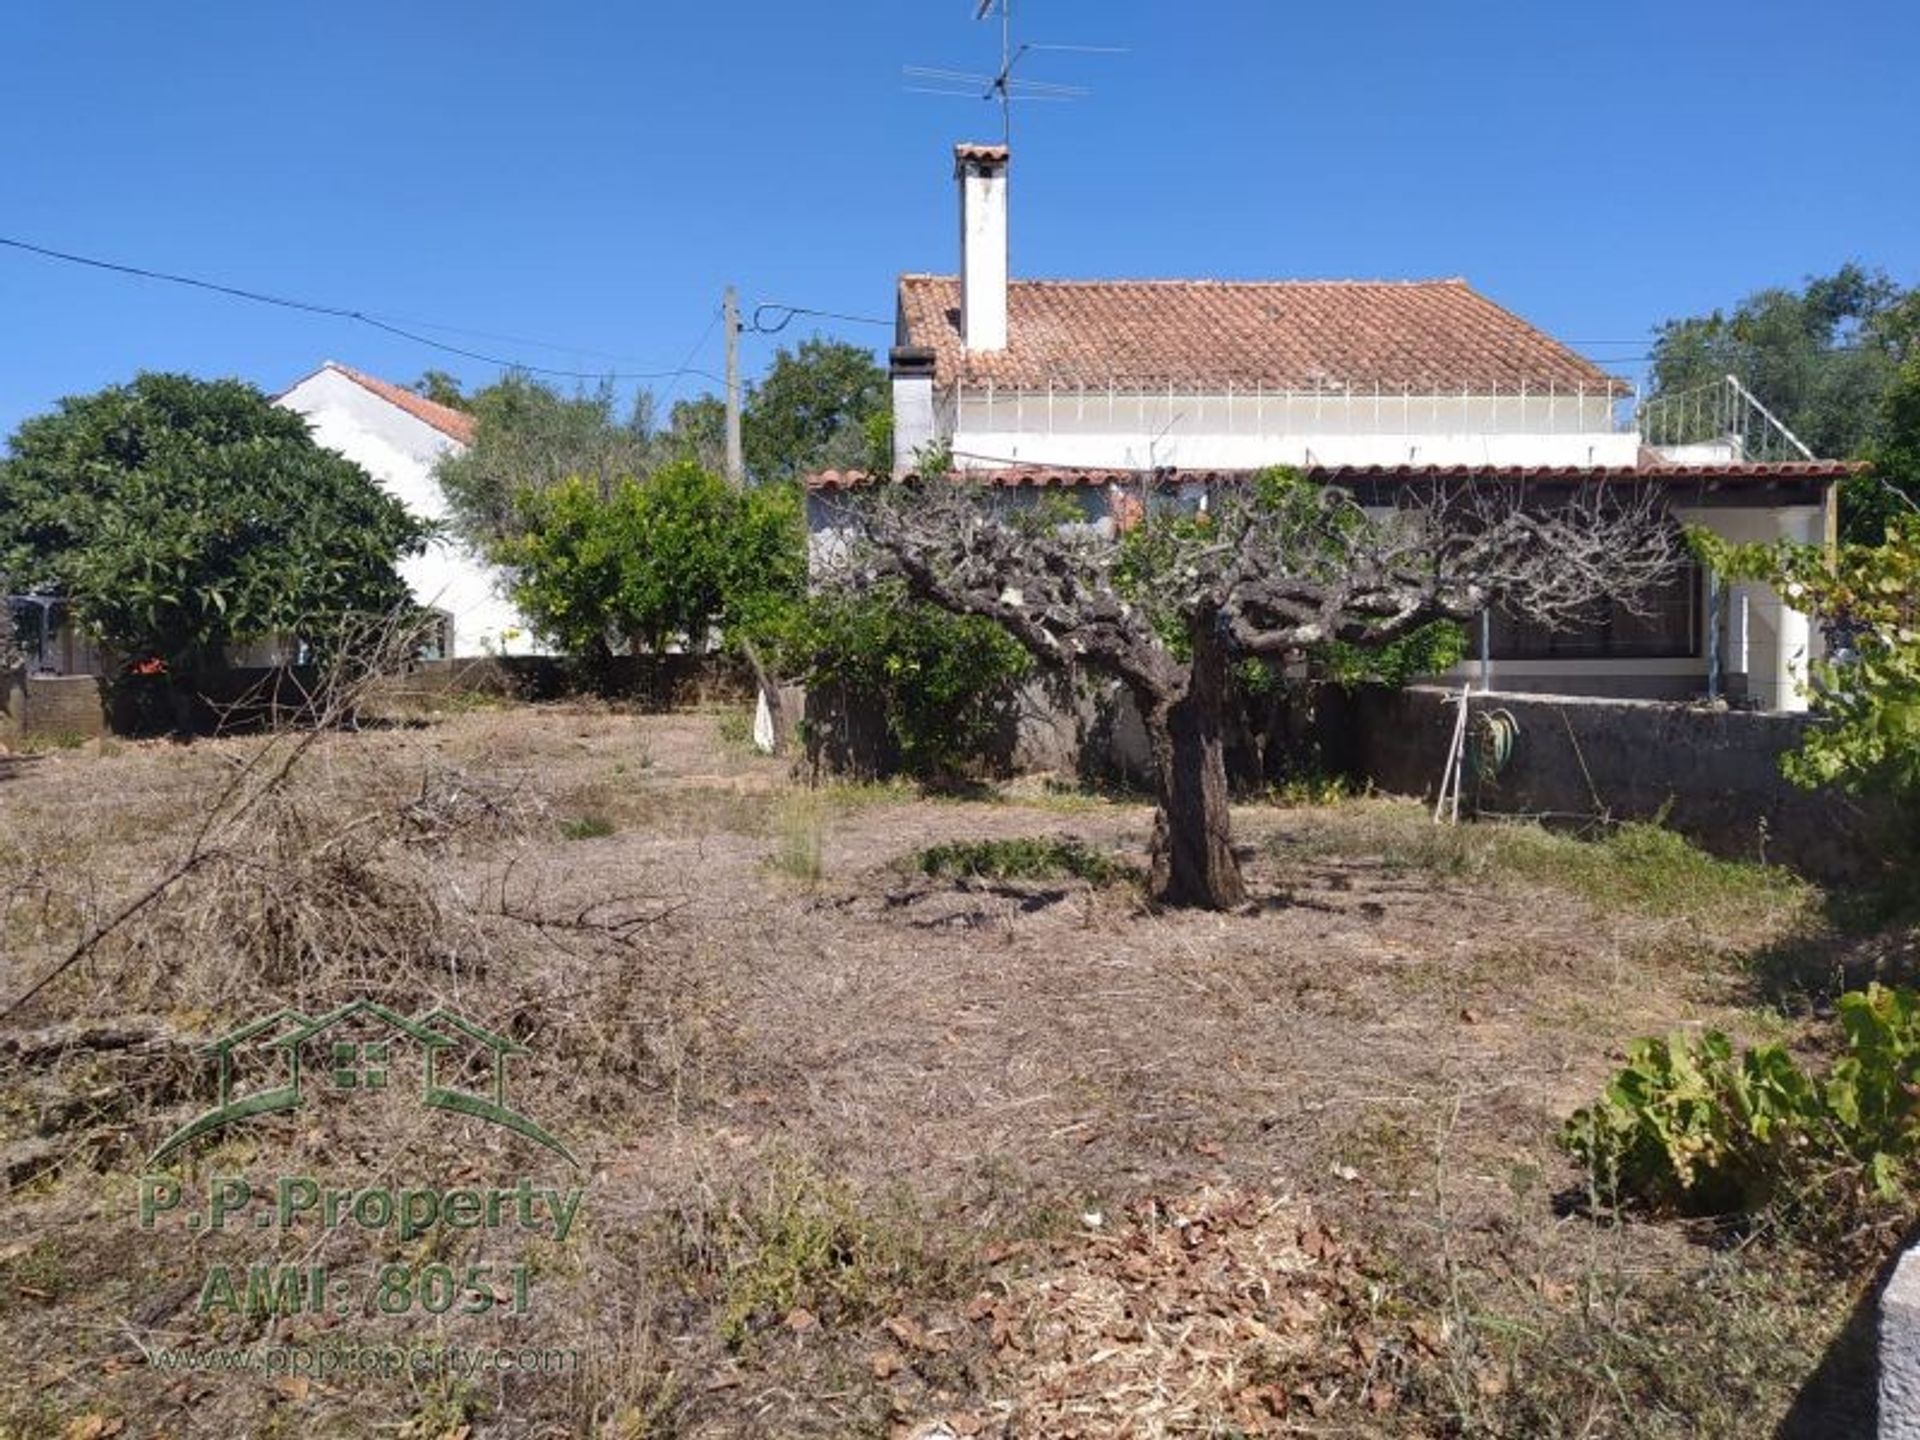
(1433, 649)
(943, 682)
(656, 561)
(179, 517)
(1020, 860)
(1868, 599)
(1689, 1127)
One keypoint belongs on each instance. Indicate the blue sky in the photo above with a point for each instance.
(592, 174)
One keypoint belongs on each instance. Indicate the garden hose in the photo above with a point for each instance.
(1495, 732)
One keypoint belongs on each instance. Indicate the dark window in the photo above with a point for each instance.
(1667, 627)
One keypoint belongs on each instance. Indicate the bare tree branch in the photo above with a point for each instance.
(1271, 567)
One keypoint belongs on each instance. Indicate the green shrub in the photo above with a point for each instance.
(1020, 860)
(944, 683)
(736, 729)
(1309, 788)
(1689, 1127)
(587, 827)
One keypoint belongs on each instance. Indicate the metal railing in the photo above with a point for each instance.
(1723, 414)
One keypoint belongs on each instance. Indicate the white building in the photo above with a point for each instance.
(397, 437)
(1368, 384)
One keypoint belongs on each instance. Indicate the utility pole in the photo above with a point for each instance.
(736, 459)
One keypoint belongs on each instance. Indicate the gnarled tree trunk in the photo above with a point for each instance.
(1193, 862)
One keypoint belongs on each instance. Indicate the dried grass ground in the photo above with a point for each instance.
(873, 1153)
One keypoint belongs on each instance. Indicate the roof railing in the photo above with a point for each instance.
(1721, 413)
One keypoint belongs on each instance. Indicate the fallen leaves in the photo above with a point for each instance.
(1220, 1307)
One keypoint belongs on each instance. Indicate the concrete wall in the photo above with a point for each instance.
(1899, 1397)
(1712, 775)
(399, 451)
(47, 707)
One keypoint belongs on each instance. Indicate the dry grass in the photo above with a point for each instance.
(843, 1123)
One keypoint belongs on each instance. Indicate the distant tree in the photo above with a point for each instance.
(443, 389)
(697, 431)
(666, 559)
(528, 437)
(11, 657)
(1822, 358)
(811, 411)
(180, 516)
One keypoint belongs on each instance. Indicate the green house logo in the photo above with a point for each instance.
(463, 1067)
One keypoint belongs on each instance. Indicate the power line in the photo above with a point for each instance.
(759, 327)
(686, 364)
(341, 312)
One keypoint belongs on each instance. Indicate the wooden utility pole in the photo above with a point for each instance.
(736, 458)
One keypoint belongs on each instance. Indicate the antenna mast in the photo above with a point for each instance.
(1001, 86)
(1004, 75)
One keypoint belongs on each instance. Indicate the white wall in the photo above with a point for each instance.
(1779, 642)
(1245, 431)
(399, 451)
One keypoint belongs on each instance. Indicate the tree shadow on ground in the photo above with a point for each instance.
(13, 766)
(1860, 938)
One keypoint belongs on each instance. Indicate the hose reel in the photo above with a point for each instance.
(1491, 739)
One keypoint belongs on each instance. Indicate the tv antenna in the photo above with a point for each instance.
(1003, 86)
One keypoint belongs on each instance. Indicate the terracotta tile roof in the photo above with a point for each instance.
(989, 153)
(454, 424)
(1051, 475)
(1433, 336)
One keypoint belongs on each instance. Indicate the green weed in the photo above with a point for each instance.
(1023, 859)
(592, 826)
(803, 1241)
(1690, 1127)
(1637, 867)
(799, 822)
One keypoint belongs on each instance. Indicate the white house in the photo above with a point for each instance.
(397, 436)
(1369, 384)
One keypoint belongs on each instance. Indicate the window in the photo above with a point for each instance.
(1667, 627)
(436, 637)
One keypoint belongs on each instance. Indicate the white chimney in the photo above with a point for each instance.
(982, 173)
(912, 372)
